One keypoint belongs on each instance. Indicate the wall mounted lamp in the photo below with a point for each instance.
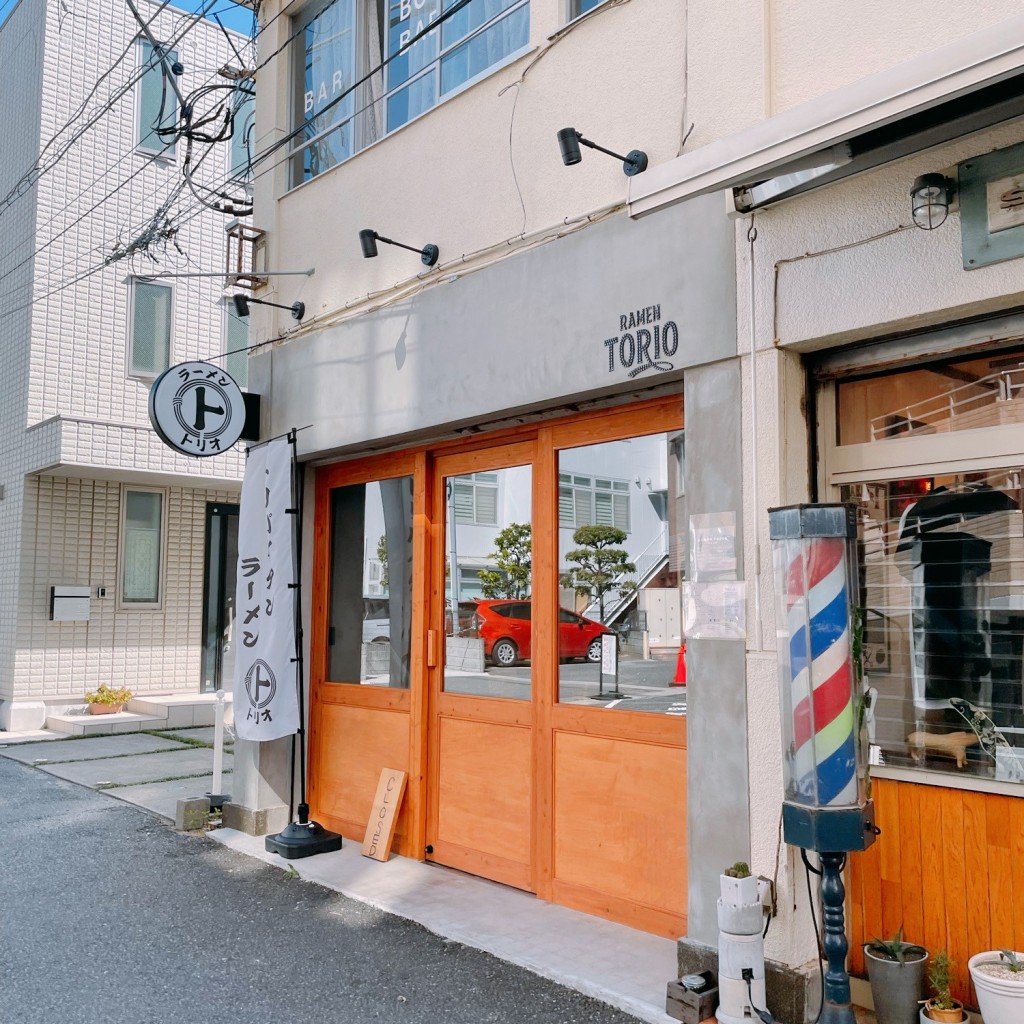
(242, 302)
(930, 198)
(570, 140)
(368, 239)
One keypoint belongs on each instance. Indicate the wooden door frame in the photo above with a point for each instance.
(546, 439)
(506, 453)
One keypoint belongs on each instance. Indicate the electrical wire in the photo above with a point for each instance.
(37, 171)
(193, 21)
(817, 934)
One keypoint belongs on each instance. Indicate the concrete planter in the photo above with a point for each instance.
(897, 989)
(1000, 997)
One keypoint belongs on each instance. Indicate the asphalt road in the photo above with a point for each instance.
(107, 915)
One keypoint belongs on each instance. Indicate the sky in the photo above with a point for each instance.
(231, 14)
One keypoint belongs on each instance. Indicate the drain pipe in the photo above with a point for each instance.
(754, 487)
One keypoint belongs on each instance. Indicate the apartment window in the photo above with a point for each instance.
(340, 42)
(141, 545)
(578, 7)
(475, 498)
(236, 341)
(157, 103)
(592, 501)
(150, 342)
(243, 137)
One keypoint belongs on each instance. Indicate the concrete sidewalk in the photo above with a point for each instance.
(623, 967)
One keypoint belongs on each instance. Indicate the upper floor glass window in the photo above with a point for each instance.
(236, 342)
(157, 103)
(578, 7)
(243, 140)
(150, 342)
(365, 67)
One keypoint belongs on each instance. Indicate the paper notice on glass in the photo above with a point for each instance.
(713, 546)
(715, 611)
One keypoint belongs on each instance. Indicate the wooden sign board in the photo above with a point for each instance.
(380, 829)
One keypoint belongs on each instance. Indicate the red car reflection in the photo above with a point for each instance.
(505, 629)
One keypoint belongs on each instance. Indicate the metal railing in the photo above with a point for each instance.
(922, 417)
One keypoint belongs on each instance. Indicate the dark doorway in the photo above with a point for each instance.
(221, 563)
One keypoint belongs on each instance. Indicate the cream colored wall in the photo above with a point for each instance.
(750, 59)
(451, 177)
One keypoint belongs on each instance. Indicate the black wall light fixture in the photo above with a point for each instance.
(930, 199)
(297, 309)
(368, 239)
(570, 140)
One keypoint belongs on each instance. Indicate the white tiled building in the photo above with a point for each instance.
(90, 497)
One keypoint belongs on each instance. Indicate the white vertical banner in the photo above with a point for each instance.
(266, 699)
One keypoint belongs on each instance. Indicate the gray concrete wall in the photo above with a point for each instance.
(563, 321)
(718, 806)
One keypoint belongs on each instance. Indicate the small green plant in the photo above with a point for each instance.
(1009, 959)
(939, 974)
(895, 949)
(741, 869)
(103, 694)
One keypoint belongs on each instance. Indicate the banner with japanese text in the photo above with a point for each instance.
(266, 700)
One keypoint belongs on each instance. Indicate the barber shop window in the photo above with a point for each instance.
(371, 583)
(942, 561)
(364, 68)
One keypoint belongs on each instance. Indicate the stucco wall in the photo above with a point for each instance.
(750, 59)
(483, 166)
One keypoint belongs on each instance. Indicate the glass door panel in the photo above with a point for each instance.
(221, 563)
(488, 583)
(620, 570)
(370, 628)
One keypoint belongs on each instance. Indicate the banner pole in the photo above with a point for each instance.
(302, 838)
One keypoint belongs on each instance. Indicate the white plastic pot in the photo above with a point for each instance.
(1000, 1001)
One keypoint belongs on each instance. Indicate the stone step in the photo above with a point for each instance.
(103, 725)
(148, 711)
(179, 710)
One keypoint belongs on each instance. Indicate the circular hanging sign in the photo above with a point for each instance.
(197, 409)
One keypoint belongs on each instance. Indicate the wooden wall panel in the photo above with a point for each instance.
(947, 868)
(353, 745)
(484, 791)
(620, 827)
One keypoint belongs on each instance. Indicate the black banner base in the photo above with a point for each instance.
(302, 840)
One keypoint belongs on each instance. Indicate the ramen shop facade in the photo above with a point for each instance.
(454, 448)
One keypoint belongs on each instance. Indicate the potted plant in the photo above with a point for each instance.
(106, 701)
(896, 973)
(998, 977)
(739, 886)
(942, 1006)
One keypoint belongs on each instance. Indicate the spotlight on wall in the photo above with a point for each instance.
(930, 197)
(570, 140)
(242, 302)
(368, 239)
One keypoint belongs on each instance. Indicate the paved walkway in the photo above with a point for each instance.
(620, 966)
